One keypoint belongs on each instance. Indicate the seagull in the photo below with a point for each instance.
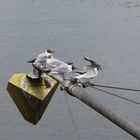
(41, 59)
(90, 71)
(39, 62)
(92, 65)
(63, 70)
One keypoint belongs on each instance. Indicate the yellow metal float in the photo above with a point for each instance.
(31, 96)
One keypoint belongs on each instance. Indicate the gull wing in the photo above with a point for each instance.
(90, 60)
(61, 69)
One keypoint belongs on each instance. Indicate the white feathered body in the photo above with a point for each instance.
(41, 59)
(89, 74)
(53, 63)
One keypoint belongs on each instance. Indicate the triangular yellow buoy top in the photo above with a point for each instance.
(31, 96)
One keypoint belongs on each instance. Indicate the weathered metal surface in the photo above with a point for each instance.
(31, 96)
(92, 102)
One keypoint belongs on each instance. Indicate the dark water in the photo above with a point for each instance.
(106, 30)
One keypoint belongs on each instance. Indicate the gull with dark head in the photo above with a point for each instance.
(41, 59)
(90, 71)
(93, 64)
(39, 63)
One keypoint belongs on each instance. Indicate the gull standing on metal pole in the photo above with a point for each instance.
(90, 71)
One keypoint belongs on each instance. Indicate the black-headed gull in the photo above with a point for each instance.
(41, 59)
(90, 71)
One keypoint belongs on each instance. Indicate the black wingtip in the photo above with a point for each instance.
(85, 57)
(31, 61)
(46, 70)
(69, 63)
(80, 72)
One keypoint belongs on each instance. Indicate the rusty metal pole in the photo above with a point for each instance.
(91, 101)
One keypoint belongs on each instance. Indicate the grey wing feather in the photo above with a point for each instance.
(57, 62)
(60, 69)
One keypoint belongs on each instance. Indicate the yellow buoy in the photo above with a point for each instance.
(31, 96)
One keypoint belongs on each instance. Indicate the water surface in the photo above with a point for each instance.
(106, 30)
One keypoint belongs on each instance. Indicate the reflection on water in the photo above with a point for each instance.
(106, 30)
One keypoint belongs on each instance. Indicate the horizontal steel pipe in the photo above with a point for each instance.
(92, 102)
